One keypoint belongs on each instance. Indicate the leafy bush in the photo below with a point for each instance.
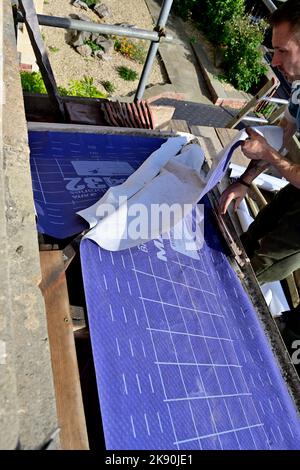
(243, 58)
(215, 15)
(130, 49)
(33, 82)
(90, 3)
(93, 45)
(108, 86)
(127, 74)
(85, 88)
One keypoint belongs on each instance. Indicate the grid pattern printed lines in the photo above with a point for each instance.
(178, 366)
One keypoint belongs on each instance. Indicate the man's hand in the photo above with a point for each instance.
(256, 147)
(235, 192)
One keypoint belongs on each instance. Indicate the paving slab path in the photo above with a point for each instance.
(179, 59)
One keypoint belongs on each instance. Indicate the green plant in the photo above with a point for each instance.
(130, 49)
(242, 57)
(93, 45)
(53, 49)
(63, 91)
(215, 15)
(266, 110)
(108, 86)
(127, 73)
(85, 88)
(33, 82)
(90, 3)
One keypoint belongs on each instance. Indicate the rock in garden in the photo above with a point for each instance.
(98, 54)
(79, 16)
(84, 50)
(106, 44)
(98, 39)
(79, 4)
(125, 25)
(102, 10)
(79, 38)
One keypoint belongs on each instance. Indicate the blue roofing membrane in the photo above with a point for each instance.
(181, 358)
(71, 171)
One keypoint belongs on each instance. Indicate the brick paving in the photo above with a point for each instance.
(198, 114)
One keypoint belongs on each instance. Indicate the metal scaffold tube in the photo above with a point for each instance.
(68, 23)
(163, 17)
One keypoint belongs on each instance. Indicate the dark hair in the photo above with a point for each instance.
(288, 12)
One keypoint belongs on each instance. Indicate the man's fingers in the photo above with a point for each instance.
(251, 132)
(237, 203)
(225, 203)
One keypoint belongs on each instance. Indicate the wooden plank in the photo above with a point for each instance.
(226, 136)
(162, 116)
(208, 140)
(179, 125)
(89, 129)
(293, 290)
(270, 86)
(70, 411)
(297, 280)
(261, 201)
(253, 205)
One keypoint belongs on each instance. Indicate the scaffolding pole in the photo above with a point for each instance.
(89, 26)
(161, 23)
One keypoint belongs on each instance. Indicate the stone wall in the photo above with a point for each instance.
(27, 400)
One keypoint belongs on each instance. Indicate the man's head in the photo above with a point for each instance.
(285, 22)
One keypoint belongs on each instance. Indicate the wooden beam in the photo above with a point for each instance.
(179, 125)
(70, 411)
(30, 18)
(293, 290)
(270, 86)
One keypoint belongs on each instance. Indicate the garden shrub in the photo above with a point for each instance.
(127, 74)
(215, 15)
(226, 24)
(133, 50)
(85, 88)
(90, 3)
(108, 86)
(243, 57)
(33, 82)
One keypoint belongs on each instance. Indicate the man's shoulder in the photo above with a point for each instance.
(294, 101)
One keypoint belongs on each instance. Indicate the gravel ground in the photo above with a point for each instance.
(67, 64)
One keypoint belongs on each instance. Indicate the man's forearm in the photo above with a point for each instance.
(289, 170)
(255, 168)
